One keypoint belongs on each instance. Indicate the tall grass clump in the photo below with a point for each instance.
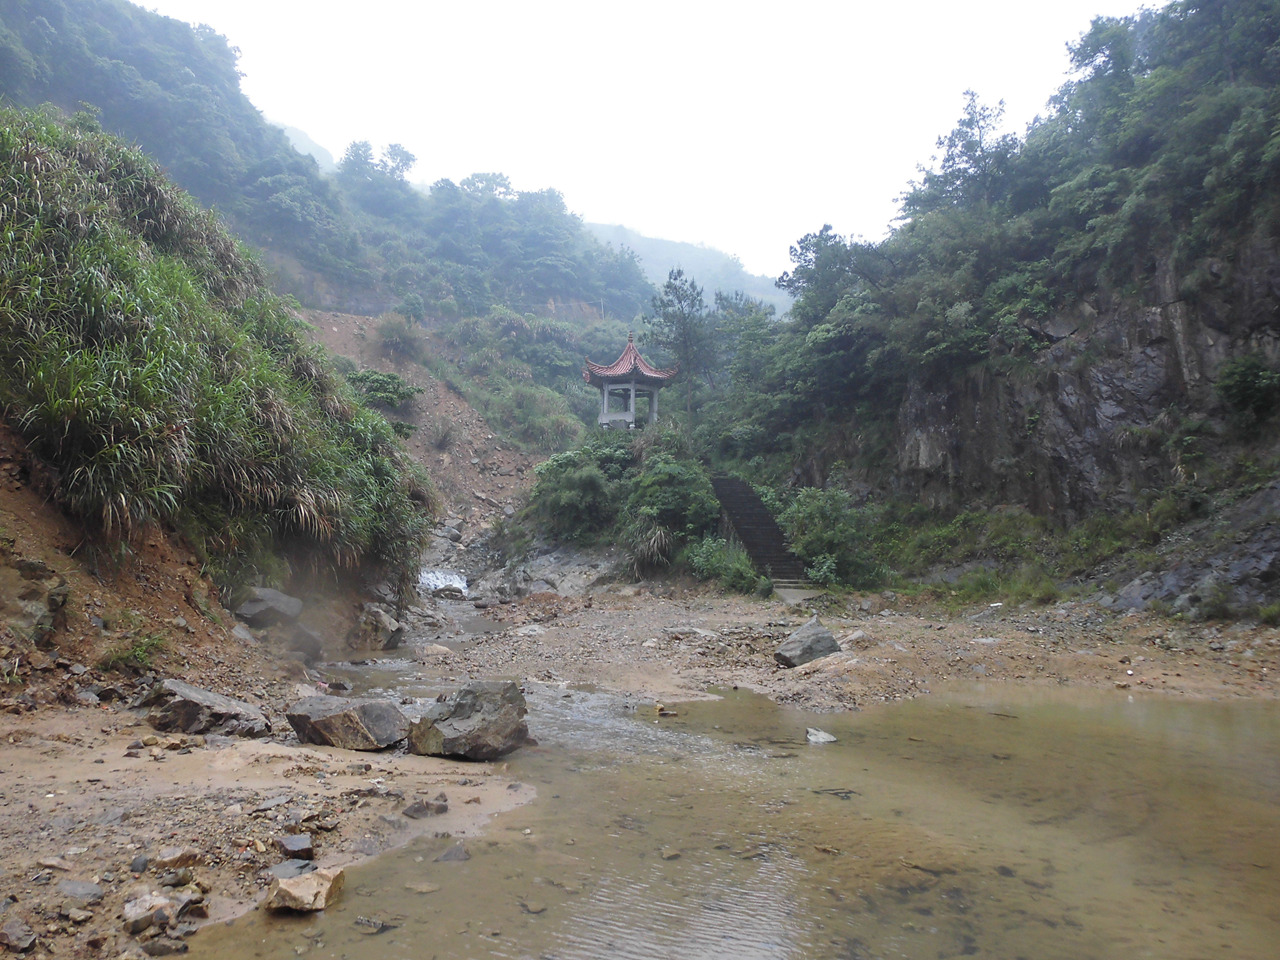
(145, 361)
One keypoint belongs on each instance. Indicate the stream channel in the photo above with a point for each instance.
(979, 821)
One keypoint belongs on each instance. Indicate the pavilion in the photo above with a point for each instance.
(624, 381)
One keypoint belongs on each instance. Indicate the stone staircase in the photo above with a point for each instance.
(754, 527)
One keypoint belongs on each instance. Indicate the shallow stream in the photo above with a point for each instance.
(989, 822)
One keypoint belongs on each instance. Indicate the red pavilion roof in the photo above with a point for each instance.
(628, 366)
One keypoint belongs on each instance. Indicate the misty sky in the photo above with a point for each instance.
(740, 125)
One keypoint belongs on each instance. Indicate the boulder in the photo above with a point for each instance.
(348, 724)
(180, 706)
(482, 721)
(810, 642)
(377, 630)
(266, 606)
(308, 892)
(304, 640)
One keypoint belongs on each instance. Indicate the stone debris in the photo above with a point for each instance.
(307, 893)
(454, 854)
(348, 724)
(297, 846)
(266, 607)
(182, 707)
(482, 721)
(152, 909)
(810, 642)
(421, 809)
(376, 630)
(17, 935)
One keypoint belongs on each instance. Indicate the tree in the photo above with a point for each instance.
(680, 325)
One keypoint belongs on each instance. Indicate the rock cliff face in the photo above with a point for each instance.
(1095, 419)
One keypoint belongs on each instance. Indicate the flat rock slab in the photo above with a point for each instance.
(296, 845)
(266, 606)
(810, 642)
(81, 893)
(482, 721)
(180, 706)
(348, 724)
(287, 869)
(17, 935)
(307, 893)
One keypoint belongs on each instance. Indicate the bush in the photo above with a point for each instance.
(572, 496)
(402, 340)
(674, 495)
(1250, 388)
(714, 558)
(831, 537)
(387, 390)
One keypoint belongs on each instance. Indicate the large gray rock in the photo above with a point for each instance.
(482, 721)
(377, 630)
(348, 724)
(180, 706)
(266, 606)
(304, 640)
(810, 642)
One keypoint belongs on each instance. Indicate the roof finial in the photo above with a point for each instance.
(631, 337)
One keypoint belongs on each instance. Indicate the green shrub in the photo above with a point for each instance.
(714, 558)
(134, 653)
(402, 339)
(675, 495)
(572, 496)
(831, 537)
(387, 390)
(1250, 388)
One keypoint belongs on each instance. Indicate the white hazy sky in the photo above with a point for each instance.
(740, 125)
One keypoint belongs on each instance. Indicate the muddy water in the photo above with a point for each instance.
(983, 822)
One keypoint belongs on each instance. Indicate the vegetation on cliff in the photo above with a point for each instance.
(160, 381)
(1066, 348)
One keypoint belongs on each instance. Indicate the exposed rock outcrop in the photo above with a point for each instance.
(32, 596)
(376, 630)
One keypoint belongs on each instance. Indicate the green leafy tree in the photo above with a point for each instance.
(681, 326)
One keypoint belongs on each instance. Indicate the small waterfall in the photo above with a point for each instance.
(431, 580)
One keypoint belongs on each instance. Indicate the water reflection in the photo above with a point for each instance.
(993, 823)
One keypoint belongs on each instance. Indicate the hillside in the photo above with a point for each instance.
(713, 269)
(363, 239)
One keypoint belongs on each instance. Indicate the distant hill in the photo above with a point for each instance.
(303, 143)
(360, 238)
(712, 269)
